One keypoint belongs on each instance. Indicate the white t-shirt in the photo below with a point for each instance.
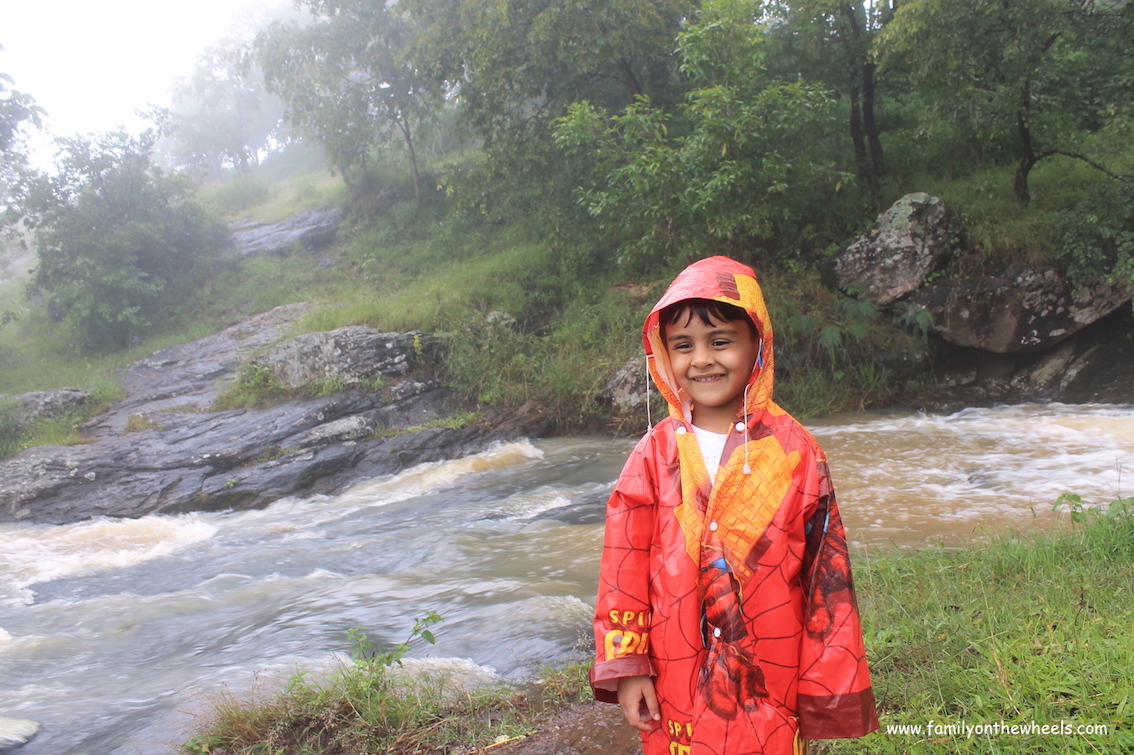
(712, 446)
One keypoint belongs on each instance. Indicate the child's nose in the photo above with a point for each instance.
(702, 355)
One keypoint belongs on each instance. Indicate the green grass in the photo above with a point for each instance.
(372, 706)
(62, 430)
(1022, 628)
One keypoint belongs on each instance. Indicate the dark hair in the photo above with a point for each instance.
(706, 310)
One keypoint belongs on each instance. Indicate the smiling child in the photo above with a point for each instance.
(726, 621)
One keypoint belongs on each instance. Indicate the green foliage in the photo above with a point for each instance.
(1017, 629)
(558, 362)
(348, 80)
(364, 653)
(238, 193)
(747, 155)
(1096, 237)
(254, 386)
(115, 236)
(369, 706)
(10, 430)
(1023, 80)
(833, 352)
(16, 109)
(60, 430)
(1082, 513)
(221, 116)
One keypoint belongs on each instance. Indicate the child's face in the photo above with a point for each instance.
(712, 364)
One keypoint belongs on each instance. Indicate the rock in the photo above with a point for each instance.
(182, 457)
(1024, 309)
(310, 229)
(629, 388)
(350, 356)
(235, 459)
(186, 376)
(906, 244)
(37, 405)
(1094, 365)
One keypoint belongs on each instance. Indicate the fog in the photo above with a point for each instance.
(91, 66)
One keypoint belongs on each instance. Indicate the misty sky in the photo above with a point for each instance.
(92, 63)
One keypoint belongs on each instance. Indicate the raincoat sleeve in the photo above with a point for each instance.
(622, 609)
(835, 695)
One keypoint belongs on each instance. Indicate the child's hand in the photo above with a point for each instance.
(639, 702)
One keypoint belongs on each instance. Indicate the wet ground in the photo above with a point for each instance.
(583, 729)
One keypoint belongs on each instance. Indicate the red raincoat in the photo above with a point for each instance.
(736, 596)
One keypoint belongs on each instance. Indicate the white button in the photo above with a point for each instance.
(681, 431)
(713, 526)
(740, 427)
(716, 631)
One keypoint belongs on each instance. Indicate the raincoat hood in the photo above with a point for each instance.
(718, 279)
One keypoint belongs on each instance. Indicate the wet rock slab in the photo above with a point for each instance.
(162, 450)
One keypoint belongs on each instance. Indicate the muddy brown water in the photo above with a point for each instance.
(115, 633)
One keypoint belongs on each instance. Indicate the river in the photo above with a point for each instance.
(114, 634)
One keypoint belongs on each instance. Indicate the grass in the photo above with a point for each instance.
(60, 430)
(1023, 628)
(1018, 629)
(372, 706)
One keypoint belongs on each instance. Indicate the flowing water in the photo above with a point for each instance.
(114, 634)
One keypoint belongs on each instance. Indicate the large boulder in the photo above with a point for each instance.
(350, 356)
(30, 407)
(906, 244)
(310, 229)
(1023, 309)
(1094, 365)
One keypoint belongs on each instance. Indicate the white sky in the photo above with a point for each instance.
(92, 63)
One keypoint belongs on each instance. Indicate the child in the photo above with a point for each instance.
(726, 621)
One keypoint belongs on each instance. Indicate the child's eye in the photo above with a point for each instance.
(721, 342)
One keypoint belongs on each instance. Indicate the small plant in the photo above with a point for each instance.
(136, 423)
(1081, 512)
(255, 386)
(364, 649)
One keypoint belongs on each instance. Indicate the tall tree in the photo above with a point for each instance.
(830, 41)
(222, 116)
(347, 79)
(17, 110)
(735, 168)
(514, 66)
(113, 233)
(1032, 76)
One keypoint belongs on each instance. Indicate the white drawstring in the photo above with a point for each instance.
(649, 417)
(747, 468)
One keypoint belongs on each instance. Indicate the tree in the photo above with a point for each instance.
(1028, 76)
(514, 66)
(222, 117)
(745, 153)
(347, 79)
(830, 41)
(114, 234)
(17, 110)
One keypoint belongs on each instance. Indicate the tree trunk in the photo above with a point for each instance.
(403, 124)
(870, 123)
(1027, 148)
